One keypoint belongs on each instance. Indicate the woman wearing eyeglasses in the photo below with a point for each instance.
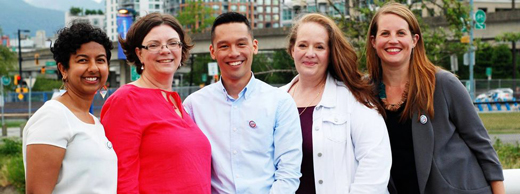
(159, 148)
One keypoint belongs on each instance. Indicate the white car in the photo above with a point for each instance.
(500, 94)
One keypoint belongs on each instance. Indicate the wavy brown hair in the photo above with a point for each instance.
(142, 27)
(422, 70)
(342, 59)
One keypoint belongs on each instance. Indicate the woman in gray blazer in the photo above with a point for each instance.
(446, 152)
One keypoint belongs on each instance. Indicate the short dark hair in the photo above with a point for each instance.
(71, 38)
(230, 17)
(142, 27)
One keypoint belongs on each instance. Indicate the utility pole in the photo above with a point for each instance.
(471, 52)
(20, 54)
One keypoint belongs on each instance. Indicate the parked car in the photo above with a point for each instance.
(500, 94)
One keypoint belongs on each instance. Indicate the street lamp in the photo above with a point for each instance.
(20, 53)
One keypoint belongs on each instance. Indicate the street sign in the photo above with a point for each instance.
(212, 68)
(454, 61)
(30, 82)
(480, 26)
(133, 74)
(6, 80)
(464, 39)
(488, 71)
(480, 16)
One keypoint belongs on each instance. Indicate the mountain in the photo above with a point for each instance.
(64, 5)
(34, 15)
(17, 14)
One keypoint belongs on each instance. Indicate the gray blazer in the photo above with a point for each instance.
(453, 152)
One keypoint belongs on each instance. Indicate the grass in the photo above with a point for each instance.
(500, 123)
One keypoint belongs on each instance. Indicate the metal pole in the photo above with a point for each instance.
(471, 52)
(20, 57)
(4, 133)
(29, 85)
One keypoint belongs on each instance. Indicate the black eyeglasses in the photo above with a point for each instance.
(156, 47)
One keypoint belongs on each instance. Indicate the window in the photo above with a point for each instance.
(268, 9)
(260, 9)
(215, 7)
(151, 6)
(259, 2)
(267, 18)
(233, 7)
(276, 25)
(243, 8)
(267, 2)
(260, 25)
(275, 10)
(260, 18)
(311, 8)
(276, 17)
(157, 6)
(276, 2)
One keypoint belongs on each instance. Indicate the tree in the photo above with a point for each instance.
(99, 12)
(8, 60)
(274, 68)
(438, 42)
(196, 16)
(76, 11)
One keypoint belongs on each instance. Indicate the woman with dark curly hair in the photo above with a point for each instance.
(160, 149)
(64, 146)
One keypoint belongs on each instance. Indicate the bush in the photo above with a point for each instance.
(508, 154)
(10, 147)
(11, 164)
(16, 173)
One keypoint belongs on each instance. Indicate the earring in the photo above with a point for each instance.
(103, 91)
(180, 64)
(62, 87)
(142, 67)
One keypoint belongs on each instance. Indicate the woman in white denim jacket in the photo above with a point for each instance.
(345, 141)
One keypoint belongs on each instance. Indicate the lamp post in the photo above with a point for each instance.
(20, 53)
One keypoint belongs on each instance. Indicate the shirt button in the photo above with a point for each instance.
(235, 107)
(317, 129)
(235, 129)
(234, 152)
(319, 154)
(238, 176)
(320, 181)
(335, 119)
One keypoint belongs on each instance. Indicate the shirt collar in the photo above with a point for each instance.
(328, 98)
(246, 91)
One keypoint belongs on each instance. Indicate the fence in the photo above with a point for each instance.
(484, 85)
(15, 105)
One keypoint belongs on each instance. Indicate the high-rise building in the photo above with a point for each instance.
(261, 13)
(141, 8)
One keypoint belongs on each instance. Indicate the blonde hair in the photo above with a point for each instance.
(422, 70)
(342, 59)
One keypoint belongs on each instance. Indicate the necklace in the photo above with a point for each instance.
(388, 106)
(294, 92)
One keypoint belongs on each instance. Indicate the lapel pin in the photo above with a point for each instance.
(423, 119)
(252, 124)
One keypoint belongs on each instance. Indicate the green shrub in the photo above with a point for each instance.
(508, 154)
(15, 173)
(10, 147)
(46, 84)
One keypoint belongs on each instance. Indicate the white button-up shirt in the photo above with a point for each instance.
(350, 143)
(256, 139)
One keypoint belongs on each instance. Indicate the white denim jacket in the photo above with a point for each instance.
(350, 143)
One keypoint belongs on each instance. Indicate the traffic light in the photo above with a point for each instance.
(42, 71)
(36, 57)
(17, 78)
